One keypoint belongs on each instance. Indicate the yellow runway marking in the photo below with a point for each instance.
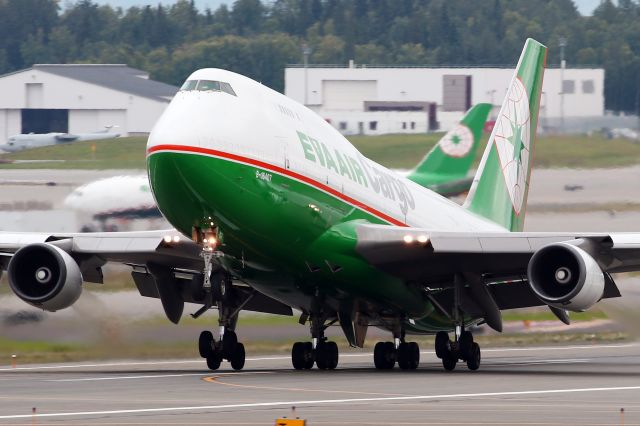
(215, 379)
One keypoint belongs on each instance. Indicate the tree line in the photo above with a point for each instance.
(259, 39)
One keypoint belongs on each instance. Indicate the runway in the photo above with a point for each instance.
(585, 385)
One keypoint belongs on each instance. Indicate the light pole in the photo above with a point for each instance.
(306, 51)
(562, 43)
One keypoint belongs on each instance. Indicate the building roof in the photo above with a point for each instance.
(118, 77)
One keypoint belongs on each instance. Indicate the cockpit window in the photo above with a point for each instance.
(189, 85)
(226, 87)
(204, 85)
(208, 86)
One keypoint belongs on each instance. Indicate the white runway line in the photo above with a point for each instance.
(319, 402)
(287, 357)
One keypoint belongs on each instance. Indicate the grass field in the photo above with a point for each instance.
(394, 151)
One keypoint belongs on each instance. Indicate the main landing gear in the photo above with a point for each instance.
(461, 349)
(406, 354)
(319, 351)
(218, 287)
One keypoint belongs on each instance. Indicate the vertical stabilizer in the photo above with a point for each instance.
(451, 158)
(501, 185)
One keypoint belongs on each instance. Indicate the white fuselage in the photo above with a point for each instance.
(262, 124)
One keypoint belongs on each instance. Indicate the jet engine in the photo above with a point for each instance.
(566, 277)
(45, 276)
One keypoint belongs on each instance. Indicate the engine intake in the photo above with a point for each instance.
(45, 276)
(566, 277)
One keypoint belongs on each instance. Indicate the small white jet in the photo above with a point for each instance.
(35, 140)
(274, 209)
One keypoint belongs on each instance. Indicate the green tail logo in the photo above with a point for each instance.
(448, 163)
(501, 185)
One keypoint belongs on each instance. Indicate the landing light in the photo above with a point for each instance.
(422, 239)
(167, 238)
(408, 239)
(176, 238)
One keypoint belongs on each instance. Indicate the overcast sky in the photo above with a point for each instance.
(584, 6)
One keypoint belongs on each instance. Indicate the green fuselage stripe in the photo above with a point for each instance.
(277, 169)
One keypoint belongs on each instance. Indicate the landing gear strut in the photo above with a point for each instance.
(323, 353)
(461, 349)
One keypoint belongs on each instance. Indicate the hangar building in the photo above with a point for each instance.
(80, 98)
(375, 100)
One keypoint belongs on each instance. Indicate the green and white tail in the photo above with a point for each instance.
(501, 185)
(451, 158)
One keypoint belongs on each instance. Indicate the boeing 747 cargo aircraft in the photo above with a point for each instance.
(273, 209)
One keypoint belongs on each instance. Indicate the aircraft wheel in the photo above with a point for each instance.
(213, 360)
(309, 358)
(238, 358)
(449, 362)
(229, 343)
(465, 345)
(473, 361)
(384, 355)
(205, 344)
(442, 344)
(333, 354)
(322, 356)
(298, 355)
(408, 356)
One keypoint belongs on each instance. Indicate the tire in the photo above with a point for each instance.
(414, 355)
(333, 354)
(442, 344)
(403, 356)
(308, 356)
(473, 362)
(378, 356)
(205, 344)
(322, 356)
(390, 355)
(465, 345)
(229, 343)
(237, 361)
(297, 356)
(449, 362)
(213, 361)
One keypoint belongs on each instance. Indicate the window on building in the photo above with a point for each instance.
(568, 86)
(404, 125)
(343, 125)
(588, 86)
(373, 125)
(413, 125)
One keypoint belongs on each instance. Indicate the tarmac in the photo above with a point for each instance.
(584, 385)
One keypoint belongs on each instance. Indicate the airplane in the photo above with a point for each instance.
(117, 197)
(445, 168)
(35, 140)
(273, 209)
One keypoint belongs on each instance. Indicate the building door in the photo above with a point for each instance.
(45, 120)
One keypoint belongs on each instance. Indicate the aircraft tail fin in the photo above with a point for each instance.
(501, 185)
(451, 158)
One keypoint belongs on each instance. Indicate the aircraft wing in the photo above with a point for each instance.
(500, 259)
(431, 253)
(139, 250)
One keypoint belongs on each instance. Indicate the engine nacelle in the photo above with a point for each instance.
(45, 276)
(566, 277)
